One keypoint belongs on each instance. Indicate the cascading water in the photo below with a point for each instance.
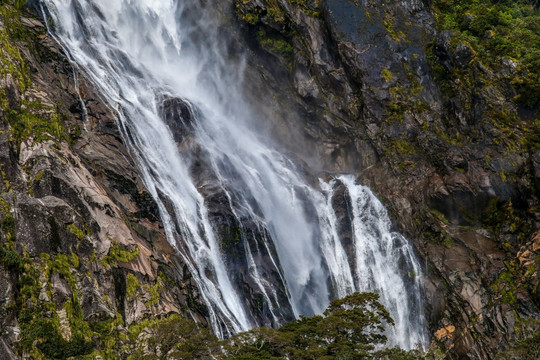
(220, 186)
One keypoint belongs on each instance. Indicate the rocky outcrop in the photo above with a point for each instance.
(419, 118)
(374, 89)
(81, 244)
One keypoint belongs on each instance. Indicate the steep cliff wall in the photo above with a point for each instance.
(439, 124)
(445, 134)
(83, 255)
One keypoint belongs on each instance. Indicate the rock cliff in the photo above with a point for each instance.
(437, 129)
(446, 138)
(83, 254)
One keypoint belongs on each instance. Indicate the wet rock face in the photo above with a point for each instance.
(341, 202)
(382, 94)
(178, 115)
(241, 240)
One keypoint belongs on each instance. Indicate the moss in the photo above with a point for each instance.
(76, 231)
(276, 44)
(526, 343)
(11, 61)
(253, 15)
(7, 183)
(20, 4)
(396, 35)
(174, 337)
(447, 241)
(109, 337)
(46, 126)
(8, 222)
(28, 118)
(74, 259)
(505, 286)
(154, 293)
(310, 8)
(387, 75)
(272, 27)
(404, 98)
(41, 334)
(11, 259)
(450, 135)
(132, 285)
(117, 253)
(440, 216)
(401, 147)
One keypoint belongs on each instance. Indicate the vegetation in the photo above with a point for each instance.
(277, 44)
(118, 254)
(76, 231)
(271, 26)
(387, 75)
(173, 338)
(27, 117)
(496, 30)
(351, 328)
(309, 7)
(132, 285)
(526, 344)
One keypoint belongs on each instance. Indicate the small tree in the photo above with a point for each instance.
(349, 329)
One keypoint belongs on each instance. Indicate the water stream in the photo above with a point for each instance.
(164, 69)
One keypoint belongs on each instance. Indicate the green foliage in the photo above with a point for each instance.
(272, 27)
(349, 328)
(396, 35)
(76, 231)
(20, 4)
(74, 259)
(401, 147)
(11, 61)
(505, 286)
(403, 97)
(11, 259)
(41, 334)
(26, 118)
(132, 284)
(526, 344)
(175, 337)
(497, 29)
(501, 217)
(440, 216)
(117, 253)
(45, 333)
(39, 175)
(387, 75)
(154, 293)
(25, 123)
(276, 44)
(310, 8)
(7, 225)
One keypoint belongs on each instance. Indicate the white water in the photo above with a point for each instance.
(138, 52)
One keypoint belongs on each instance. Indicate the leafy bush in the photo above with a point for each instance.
(349, 329)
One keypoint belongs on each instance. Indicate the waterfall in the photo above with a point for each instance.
(262, 242)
